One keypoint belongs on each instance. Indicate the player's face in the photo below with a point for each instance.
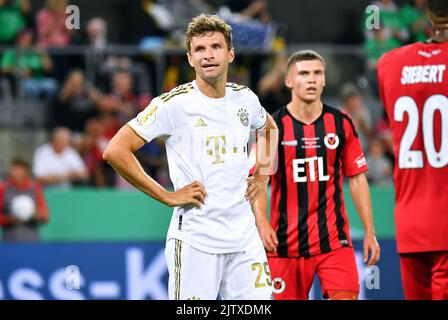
(306, 79)
(210, 56)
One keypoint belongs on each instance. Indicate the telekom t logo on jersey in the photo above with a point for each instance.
(301, 166)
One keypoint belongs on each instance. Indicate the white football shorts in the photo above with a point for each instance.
(196, 275)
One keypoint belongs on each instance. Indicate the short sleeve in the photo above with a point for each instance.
(353, 159)
(258, 114)
(153, 122)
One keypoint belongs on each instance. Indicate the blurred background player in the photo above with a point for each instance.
(22, 205)
(309, 231)
(413, 88)
(213, 246)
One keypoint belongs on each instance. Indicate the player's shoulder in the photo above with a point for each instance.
(175, 94)
(398, 54)
(278, 114)
(343, 115)
(239, 91)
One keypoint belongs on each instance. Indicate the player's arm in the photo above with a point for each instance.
(266, 148)
(120, 155)
(359, 190)
(257, 191)
(267, 233)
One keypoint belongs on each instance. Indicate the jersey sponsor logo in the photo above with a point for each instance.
(360, 161)
(291, 143)
(429, 54)
(200, 123)
(279, 285)
(422, 74)
(301, 166)
(147, 117)
(244, 116)
(310, 143)
(331, 141)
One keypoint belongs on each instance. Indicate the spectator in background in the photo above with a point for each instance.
(50, 24)
(254, 9)
(380, 168)
(153, 161)
(271, 88)
(52, 32)
(391, 21)
(121, 101)
(22, 205)
(13, 18)
(102, 65)
(414, 18)
(76, 103)
(353, 104)
(99, 131)
(374, 49)
(58, 164)
(91, 148)
(97, 33)
(173, 15)
(29, 66)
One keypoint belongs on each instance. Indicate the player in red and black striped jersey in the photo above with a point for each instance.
(413, 83)
(309, 230)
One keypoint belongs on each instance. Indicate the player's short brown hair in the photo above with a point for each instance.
(438, 7)
(203, 24)
(304, 55)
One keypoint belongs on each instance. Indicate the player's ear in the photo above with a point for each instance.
(190, 60)
(231, 55)
(288, 81)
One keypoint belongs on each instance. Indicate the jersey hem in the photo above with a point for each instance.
(210, 250)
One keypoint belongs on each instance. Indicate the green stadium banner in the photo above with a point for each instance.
(115, 215)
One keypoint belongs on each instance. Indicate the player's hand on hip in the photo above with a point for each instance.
(371, 246)
(255, 185)
(268, 236)
(192, 194)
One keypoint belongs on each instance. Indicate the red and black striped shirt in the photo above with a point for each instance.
(307, 203)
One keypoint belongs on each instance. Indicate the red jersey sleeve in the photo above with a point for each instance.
(353, 159)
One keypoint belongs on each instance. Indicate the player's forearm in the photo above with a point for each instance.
(125, 164)
(359, 190)
(259, 208)
(266, 148)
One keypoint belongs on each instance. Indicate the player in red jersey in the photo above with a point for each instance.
(309, 230)
(413, 83)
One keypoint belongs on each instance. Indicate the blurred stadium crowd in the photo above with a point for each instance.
(64, 93)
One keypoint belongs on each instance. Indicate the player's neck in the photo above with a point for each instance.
(212, 89)
(440, 30)
(440, 35)
(305, 112)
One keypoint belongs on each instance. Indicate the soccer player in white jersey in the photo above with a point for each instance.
(213, 246)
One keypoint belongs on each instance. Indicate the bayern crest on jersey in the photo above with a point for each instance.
(331, 141)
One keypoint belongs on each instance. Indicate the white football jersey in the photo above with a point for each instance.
(206, 141)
